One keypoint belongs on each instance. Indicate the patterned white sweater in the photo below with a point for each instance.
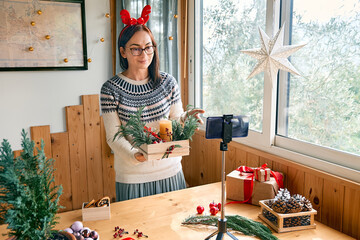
(120, 98)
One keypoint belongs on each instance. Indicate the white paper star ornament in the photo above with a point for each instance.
(273, 55)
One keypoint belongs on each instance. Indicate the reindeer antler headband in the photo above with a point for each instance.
(129, 21)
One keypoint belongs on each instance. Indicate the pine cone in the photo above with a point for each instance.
(283, 195)
(298, 197)
(293, 206)
(270, 203)
(279, 206)
(307, 205)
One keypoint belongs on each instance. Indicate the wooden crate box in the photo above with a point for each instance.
(287, 222)
(157, 151)
(95, 213)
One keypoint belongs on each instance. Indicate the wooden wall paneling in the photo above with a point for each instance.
(267, 161)
(186, 166)
(295, 181)
(75, 127)
(113, 33)
(351, 219)
(201, 158)
(209, 165)
(183, 52)
(17, 153)
(240, 157)
(313, 190)
(93, 146)
(191, 164)
(108, 165)
(252, 160)
(230, 163)
(187, 161)
(39, 133)
(333, 204)
(60, 153)
(278, 167)
(214, 165)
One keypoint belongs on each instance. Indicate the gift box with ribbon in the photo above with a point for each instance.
(242, 187)
(262, 174)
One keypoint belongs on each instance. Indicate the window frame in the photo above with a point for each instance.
(329, 160)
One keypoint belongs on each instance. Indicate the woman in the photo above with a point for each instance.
(141, 84)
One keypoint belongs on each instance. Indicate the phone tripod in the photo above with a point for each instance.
(226, 138)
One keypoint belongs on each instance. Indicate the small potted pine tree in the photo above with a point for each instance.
(28, 192)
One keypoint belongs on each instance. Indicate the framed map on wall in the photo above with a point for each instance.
(42, 35)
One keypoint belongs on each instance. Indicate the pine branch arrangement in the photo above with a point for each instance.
(136, 129)
(27, 189)
(236, 223)
(140, 134)
(187, 130)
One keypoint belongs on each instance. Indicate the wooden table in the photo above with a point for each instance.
(160, 217)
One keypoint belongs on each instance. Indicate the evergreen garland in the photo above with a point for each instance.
(236, 223)
(28, 191)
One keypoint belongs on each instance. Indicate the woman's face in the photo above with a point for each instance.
(140, 40)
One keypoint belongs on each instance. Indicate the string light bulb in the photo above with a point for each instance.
(39, 12)
(47, 37)
(175, 16)
(66, 60)
(107, 15)
(102, 39)
(89, 60)
(32, 23)
(171, 38)
(31, 49)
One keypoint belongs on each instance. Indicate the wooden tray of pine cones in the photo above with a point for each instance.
(287, 222)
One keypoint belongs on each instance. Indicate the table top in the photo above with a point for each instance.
(160, 217)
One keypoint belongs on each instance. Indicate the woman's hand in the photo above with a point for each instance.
(196, 113)
(140, 157)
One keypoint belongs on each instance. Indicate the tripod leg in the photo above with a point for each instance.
(220, 236)
(213, 234)
(232, 236)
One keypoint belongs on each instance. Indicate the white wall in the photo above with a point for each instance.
(35, 98)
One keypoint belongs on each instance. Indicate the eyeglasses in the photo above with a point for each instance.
(138, 51)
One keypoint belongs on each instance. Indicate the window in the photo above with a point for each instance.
(314, 118)
(224, 69)
(322, 106)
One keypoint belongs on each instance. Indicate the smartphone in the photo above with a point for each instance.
(214, 127)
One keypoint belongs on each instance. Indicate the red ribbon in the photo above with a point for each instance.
(278, 178)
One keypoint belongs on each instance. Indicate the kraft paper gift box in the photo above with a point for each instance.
(239, 186)
(262, 174)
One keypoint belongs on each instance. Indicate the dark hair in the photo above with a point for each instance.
(124, 37)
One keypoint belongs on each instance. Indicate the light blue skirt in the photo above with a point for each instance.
(127, 191)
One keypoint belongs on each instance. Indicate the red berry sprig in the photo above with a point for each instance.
(140, 234)
(149, 131)
(119, 232)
